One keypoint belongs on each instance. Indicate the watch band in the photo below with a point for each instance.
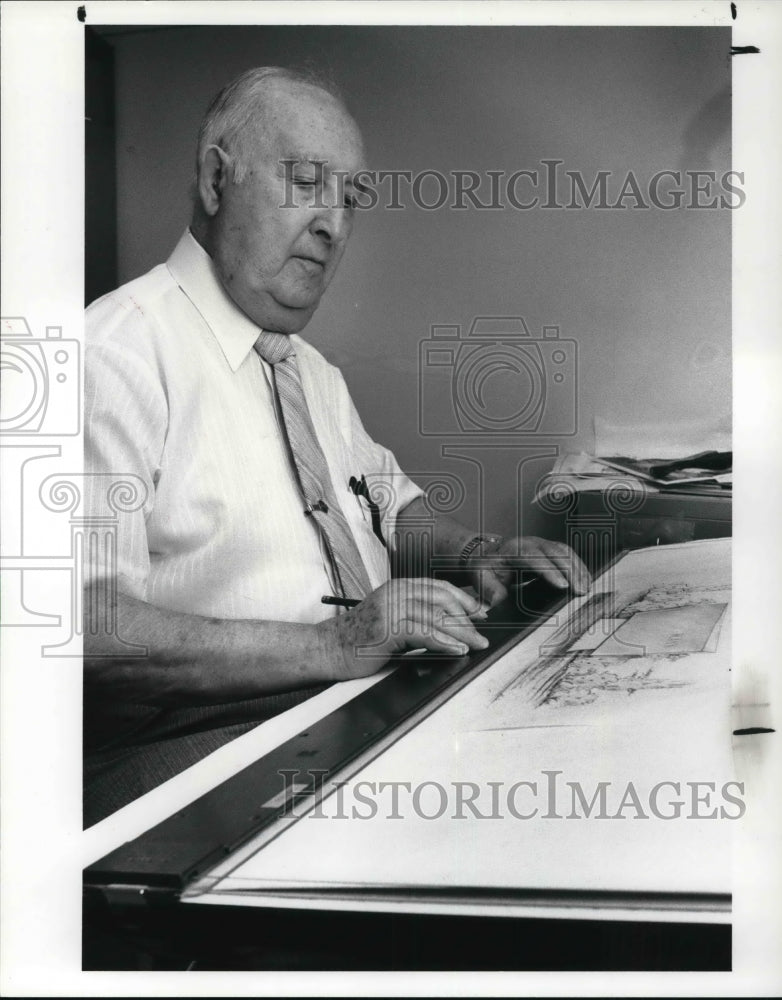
(473, 544)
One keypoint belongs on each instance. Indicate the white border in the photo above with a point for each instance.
(42, 205)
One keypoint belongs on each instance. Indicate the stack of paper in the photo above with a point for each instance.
(582, 473)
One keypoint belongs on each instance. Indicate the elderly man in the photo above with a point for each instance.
(242, 440)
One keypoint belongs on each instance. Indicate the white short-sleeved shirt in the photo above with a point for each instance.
(178, 403)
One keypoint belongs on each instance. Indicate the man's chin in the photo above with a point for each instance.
(290, 319)
(282, 317)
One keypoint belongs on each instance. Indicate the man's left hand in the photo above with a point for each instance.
(493, 571)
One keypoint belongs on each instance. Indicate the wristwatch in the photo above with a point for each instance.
(475, 542)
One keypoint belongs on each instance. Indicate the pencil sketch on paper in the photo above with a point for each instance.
(604, 648)
(648, 638)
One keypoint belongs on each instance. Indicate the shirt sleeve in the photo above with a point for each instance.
(388, 485)
(125, 420)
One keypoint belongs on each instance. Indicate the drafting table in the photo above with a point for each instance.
(220, 846)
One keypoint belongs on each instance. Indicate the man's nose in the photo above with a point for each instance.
(332, 224)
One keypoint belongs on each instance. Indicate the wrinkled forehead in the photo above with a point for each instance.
(302, 121)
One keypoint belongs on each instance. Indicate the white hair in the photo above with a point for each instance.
(241, 104)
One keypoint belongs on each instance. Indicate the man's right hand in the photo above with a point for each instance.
(416, 613)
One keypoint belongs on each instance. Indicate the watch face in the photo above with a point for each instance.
(473, 544)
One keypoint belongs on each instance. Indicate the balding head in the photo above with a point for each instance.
(276, 158)
(237, 117)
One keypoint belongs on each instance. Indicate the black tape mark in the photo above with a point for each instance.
(744, 50)
(733, 11)
(752, 731)
(81, 13)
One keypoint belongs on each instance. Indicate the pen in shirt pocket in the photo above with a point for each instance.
(353, 487)
(360, 488)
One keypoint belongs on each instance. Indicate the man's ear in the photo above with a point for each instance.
(212, 178)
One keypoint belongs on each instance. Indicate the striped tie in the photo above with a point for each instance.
(312, 471)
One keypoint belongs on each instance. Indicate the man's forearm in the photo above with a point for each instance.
(194, 660)
(448, 536)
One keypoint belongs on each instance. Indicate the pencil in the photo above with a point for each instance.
(342, 602)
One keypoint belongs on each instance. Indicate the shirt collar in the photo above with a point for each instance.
(193, 270)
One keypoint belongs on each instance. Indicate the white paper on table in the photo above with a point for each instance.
(663, 717)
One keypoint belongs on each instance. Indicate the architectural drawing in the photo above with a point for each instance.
(653, 631)
(623, 647)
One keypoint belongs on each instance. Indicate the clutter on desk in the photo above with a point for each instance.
(714, 467)
(704, 473)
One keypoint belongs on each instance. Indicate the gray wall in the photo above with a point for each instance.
(644, 293)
